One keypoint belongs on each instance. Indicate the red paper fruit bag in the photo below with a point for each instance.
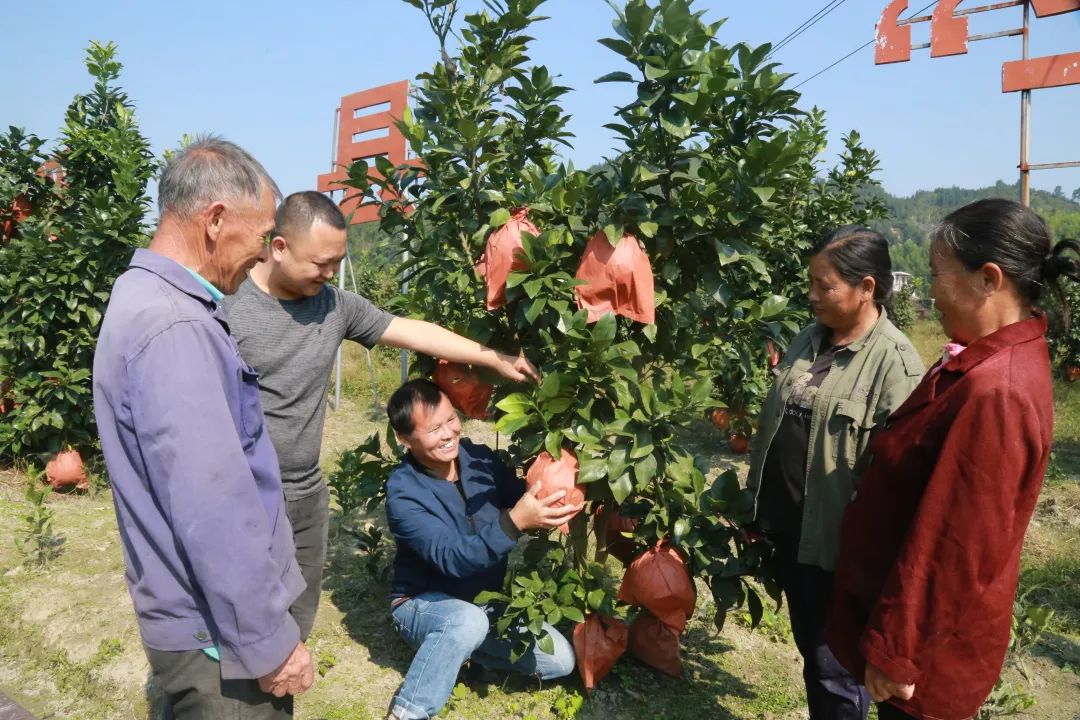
(619, 280)
(502, 256)
(659, 582)
(599, 642)
(554, 475)
(655, 644)
(464, 389)
(67, 470)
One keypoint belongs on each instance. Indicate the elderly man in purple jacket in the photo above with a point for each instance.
(196, 486)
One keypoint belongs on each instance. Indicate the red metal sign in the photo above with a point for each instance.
(366, 130)
(1043, 72)
(1045, 8)
(949, 36)
(893, 41)
(948, 33)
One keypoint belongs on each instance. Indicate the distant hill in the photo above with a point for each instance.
(911, 218)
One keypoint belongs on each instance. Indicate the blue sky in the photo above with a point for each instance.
(268, 75)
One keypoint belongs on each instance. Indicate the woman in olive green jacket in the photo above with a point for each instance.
(839, 380)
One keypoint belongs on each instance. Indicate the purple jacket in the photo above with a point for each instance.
(195, 480)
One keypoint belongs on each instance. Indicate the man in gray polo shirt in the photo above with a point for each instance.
(207, 546)
(288, 320)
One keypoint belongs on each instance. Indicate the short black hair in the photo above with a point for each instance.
(857, 252)
(299, 211)
(401, 404)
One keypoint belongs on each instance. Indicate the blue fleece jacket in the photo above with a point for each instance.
(446, 544)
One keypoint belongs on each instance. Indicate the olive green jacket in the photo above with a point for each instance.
(868, 380)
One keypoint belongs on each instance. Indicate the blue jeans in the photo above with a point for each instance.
(446, 632)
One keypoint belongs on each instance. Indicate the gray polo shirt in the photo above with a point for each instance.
(292, 344)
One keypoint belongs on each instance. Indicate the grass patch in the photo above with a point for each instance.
(928, 339)
(1055, 583)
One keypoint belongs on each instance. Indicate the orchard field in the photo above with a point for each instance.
(69, 646)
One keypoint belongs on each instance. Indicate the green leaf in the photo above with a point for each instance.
(754, 605)
(603, 332)
(645, 471)
(510, 424)
(591, 470)
(615, 77)
(596, 599)
(534, 309)
(680, 530)
(515, 403)
(648, 229)
(764, 193)
(617, 461)
(689, 98)
(499, 217)
(572, 613)
(546, 643)
(773, 305)
(675, 123)
(614, 234)
(677, 17)
(621, 488)
(489, 596)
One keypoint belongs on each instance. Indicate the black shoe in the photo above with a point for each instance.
(473, 673)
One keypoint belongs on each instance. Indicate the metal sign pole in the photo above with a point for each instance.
(1025, 120)
(337, 360)
(341, 280)
(404, 291)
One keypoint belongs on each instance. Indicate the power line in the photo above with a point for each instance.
(861, 47)
(807, 24)
(791, 34)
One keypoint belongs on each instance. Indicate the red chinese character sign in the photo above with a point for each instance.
(949, 36)
(366, 130)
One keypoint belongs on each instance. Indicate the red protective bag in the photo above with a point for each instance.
(655, 644)
(20, 210)
(659, 582)
(554, 475)
(618, 280)
(599, 642)
(464, 389)
(67, 470)
(773, 352)
(501, 255)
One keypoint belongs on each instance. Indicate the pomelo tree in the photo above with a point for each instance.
(720, 180)
(87, 201)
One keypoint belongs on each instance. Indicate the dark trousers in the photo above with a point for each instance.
(885, 711)
(310, 519)
(192, 689)
(831, 692)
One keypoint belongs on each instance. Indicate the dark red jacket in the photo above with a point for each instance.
(931, 544)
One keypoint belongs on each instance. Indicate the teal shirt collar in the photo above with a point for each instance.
(214, 292)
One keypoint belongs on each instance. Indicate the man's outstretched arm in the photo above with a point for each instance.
(430, 339)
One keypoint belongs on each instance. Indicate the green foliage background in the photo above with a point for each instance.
(55, 276)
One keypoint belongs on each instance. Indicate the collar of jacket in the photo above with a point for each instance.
(466, 471)
(173, 273)
(979, 351)
(985, 347)
(821, 332)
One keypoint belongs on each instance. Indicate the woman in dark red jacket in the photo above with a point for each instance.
(922, 602)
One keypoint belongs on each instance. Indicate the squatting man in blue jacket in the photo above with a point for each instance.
(455, 511)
